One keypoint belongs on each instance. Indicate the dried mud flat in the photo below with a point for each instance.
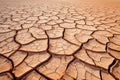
(59, 40)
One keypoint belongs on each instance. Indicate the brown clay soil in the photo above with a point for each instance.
(59, 39)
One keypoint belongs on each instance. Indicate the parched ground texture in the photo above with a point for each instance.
(59, 40)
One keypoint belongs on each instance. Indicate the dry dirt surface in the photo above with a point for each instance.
(59, 40)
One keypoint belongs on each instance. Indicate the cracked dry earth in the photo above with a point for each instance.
(59, 40)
